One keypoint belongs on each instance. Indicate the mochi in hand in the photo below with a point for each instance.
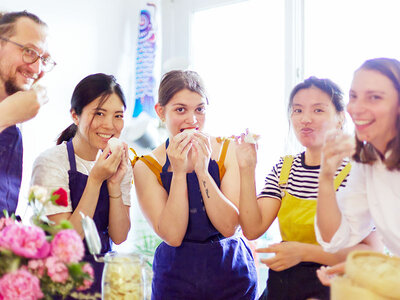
(190, 131)
(114, 144)
(251, 138)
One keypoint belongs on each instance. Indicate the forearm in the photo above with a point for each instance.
(118, 218)
(250, 217)
(315, 253)
(221, 211)
(173, 221)
(328, 213)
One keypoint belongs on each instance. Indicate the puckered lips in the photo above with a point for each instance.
(307, 130)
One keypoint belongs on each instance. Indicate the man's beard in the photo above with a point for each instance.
(11, 87)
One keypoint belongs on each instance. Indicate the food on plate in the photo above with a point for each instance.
(369, 276)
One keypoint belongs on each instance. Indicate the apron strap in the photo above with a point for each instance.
(167, 163)
(342, 175)
(71, 155)
(150, 162)
(285, 171)
(222, 156)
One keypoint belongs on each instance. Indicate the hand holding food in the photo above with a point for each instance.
(336, 147)
(251, 138)
(246, 150)
(114, 144)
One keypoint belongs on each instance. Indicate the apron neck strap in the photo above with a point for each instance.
(71, 155)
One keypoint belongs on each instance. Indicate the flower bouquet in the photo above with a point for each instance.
(42, 260)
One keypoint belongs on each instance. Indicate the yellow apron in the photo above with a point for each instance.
(296, 215)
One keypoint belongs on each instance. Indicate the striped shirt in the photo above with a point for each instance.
(302, 181)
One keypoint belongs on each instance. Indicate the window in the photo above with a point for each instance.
(238, 50)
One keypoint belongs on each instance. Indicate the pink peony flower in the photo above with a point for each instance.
(4, 222)
(67, 245)
(20, 285)
(26, 241)
(87, 283)
(56, 269)
(37, 267)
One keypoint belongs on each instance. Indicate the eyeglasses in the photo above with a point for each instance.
(30, 56)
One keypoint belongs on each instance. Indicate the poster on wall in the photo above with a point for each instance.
(146, 61)
(145, 121)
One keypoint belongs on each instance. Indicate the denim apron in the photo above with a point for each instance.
(10, 168)
(296, 222)
(206, 265)
(77, 184)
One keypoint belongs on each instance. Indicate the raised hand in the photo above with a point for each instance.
(116, 179)
(24, 105)
(106, 165)
(336, 147)
(201, 152)
(246, 153)
(287, 254)
(178, 150)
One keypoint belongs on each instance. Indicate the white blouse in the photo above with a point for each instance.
(50, 170)
(371, 198)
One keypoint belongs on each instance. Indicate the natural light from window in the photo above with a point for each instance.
(239, 51)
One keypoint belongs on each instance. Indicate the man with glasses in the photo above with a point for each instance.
(24, 59)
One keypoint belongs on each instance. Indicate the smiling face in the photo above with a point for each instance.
(313, 115)
(374, 108)
(96, 125)
(185, 110)
(15, 74)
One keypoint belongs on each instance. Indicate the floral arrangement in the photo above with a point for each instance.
(42, 260)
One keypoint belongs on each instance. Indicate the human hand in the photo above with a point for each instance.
(24, 105)
(287, 254)
(118, 176)
(201, 152)
(337, 146)
(106, 165)
(326, 274)
(246, 153)
(178, 150)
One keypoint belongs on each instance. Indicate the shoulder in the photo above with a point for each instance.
(141, 168)
(55, 154)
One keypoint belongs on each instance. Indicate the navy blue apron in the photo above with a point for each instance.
(206, 265)
(10, 168)
(77, 184)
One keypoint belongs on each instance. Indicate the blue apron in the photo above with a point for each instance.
(77, 184)
(10, 168)
(296, 283)
(206, 265)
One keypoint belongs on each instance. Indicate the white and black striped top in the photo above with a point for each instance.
(302, 181)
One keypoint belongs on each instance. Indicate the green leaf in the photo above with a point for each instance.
(65, 224)
(75, 270)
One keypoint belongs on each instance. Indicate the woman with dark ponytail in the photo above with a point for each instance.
(97, 181)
